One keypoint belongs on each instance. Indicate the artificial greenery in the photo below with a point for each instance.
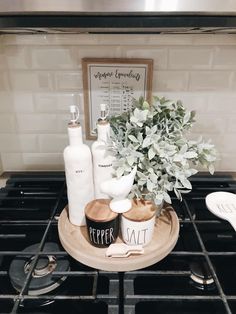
(153, 137)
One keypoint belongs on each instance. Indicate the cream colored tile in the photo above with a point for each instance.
(54, 57)
(170, 81)
(190, 57)
(1, 169)
(191, 100)
(210, 124)
(12, 162)
(222, 103)
(228, 145)
(31, 80)
(4, 81)
(214, 39)
(6, 102)
(31, 123)
(3, 64)
(232, 126)
(16, 102)
(224, 57)
(158, 55)
(51, 39)
(7, 123)
(210, 80)
(29, 39)
(53, 143)
(18, 143)
(100, 51)
(22, 102)
(67, 81)
(227, 162)
(169, 39)
(56, 102)
(43, 161)
(233, 83)
(17, 57)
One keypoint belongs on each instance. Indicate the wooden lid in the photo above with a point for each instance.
(99, 210)
(141, 210)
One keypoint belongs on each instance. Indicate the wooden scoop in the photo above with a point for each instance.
(123, 250)
(223, 205)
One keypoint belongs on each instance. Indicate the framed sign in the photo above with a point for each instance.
(114, 82)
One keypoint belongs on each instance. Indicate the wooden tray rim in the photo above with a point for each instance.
(119, 264)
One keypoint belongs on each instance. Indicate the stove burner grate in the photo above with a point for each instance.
(32, 201)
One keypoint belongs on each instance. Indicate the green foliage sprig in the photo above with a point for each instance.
(152, 137)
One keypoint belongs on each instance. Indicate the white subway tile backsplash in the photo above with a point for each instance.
(24, 40)
(187, 58)
(103, 51)
(233, 87)
(6, 102)
(41, 77)
(32, 161)
(31, 80)
(67, 81)
(214, 39)
(18, 143)
(1, 167)
(43, 161)
(210, 80)
(210, 124)
(227, 162)
(170, 81)
(30, 123)
(22, 102)
(232, 126)
(54, 102)
(7, 123)
(55, 57)
(3, 64)
(191, 100)
(222, 103)
(158, 55)
(224, 58)
(228, 144)
(16, 102)
(17, 57)
(53, 143)
(4, 81)
(50, 39)
(13, 162)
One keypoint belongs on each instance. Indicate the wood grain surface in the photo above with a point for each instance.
(76, 242)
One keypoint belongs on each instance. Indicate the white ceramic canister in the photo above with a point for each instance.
(79, 171)
(137, 225)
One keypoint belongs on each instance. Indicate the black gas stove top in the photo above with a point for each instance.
(38, 276)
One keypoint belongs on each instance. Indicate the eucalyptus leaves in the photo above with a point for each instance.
(153, 138)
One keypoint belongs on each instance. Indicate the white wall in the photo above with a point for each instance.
(41, 76)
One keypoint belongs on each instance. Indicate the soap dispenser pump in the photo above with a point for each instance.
(102, 158)
(78, 170)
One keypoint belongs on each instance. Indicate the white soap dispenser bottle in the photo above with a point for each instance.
(102, 159)
(79, 171)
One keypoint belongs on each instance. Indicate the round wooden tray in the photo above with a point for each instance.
(76, 242)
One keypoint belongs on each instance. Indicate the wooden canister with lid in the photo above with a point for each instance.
(102, 223)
